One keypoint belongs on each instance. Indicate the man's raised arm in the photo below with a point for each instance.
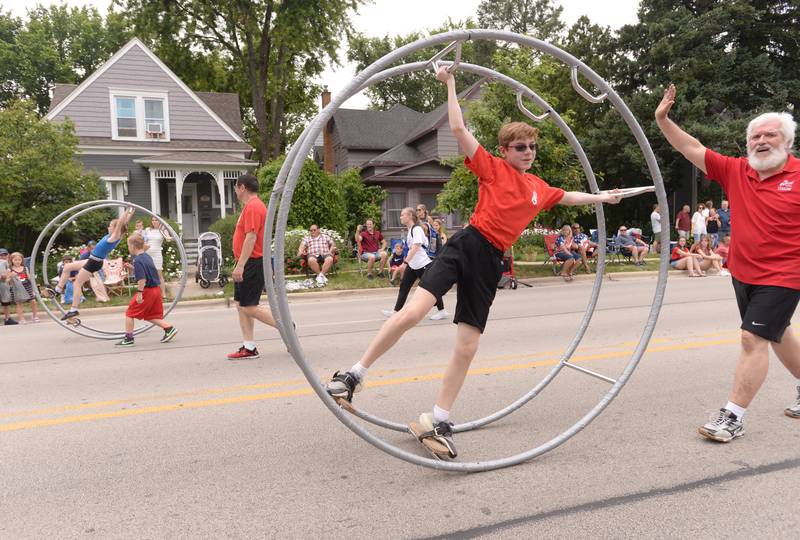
(691, 148)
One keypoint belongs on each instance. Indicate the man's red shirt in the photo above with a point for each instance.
(252, 219)
(765, 246)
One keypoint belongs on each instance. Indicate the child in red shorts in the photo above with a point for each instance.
(146, 303)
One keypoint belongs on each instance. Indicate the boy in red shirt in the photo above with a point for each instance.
(764, 188)
(146, 303)
(508, 200)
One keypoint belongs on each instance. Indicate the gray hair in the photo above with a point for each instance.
(787, 123)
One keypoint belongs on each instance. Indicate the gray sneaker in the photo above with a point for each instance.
(724, 428)
(793, 410)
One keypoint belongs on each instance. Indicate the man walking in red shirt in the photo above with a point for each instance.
(248, 275)
(765, 189)
(683, 222)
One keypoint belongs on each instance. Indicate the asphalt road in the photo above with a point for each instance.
(173, 441)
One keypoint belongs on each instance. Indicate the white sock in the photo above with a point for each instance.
(58, 289)
(249, 345)
(737, 410)
(359, 371)
(440, 415)
(72, 309)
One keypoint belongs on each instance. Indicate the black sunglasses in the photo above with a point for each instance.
(522, 147)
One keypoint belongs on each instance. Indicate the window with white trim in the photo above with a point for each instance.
(230, 194)
(139, 116)
(395, 202)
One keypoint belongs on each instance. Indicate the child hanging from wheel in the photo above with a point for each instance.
(508, 200)
(87, 267)
(146, 304)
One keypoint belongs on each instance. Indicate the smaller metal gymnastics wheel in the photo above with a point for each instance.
(283, 191)
(60, 222)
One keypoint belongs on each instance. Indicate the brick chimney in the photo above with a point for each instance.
(326, 135)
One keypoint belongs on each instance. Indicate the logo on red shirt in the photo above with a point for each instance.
(535, 198)
(786, 185)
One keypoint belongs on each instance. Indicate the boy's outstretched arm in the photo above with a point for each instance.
(578, 198)
(691, 148)
(468, 143)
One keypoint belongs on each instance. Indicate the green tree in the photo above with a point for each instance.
(277, 46)
(55, 44)
(317, 196)
(420, 90)
(361, 201)
(538, 18)
(39, 178)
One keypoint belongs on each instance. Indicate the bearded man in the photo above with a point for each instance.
(765, 190)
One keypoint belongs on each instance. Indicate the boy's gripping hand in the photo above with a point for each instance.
(612, 197)
(443, 75)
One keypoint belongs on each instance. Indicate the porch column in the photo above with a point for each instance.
(155, 203)
(179, 197)
(221, 188)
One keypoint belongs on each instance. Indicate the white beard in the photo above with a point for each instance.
(774, 159)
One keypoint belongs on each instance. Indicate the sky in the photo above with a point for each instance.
(383, 17)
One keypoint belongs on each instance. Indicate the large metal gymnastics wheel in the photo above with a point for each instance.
(283, 191)
(74, 213)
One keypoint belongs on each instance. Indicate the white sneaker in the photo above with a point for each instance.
(388, 312)
(724, 273)
(320, 280)
(439, 315)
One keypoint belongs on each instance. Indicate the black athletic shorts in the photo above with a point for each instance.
(248, 291)
(93, 265)
(470, 260)
(766, 310)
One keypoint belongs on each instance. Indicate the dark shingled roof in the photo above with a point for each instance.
(374, 130)
(196, 157)
(226, 106)
(399, 155)
(61, 91)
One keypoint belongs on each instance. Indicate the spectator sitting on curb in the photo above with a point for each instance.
(683, 259)
(318, 250)
(373, 246)
(722, 251)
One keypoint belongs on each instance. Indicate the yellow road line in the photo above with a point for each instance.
(44, 422)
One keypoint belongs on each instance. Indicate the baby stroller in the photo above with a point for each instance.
(209, 261)
(508, 278)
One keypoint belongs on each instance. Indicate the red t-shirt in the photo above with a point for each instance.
(675, 255)
(371, 243)
(684, 221)
(507, 199)
(253, 217)
(764, 249)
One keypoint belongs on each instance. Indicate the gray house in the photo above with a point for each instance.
(399, 149)
(154, 141)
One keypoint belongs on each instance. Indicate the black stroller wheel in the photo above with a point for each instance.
(222, 281)
(513, 283)
(204, 283)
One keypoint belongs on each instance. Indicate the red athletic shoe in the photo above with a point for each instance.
(243, 352)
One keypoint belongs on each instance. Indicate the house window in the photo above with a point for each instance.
(154, 117)
(230, 195)
(117, 188)
(126, 117)
(395, 202)
(139, 116)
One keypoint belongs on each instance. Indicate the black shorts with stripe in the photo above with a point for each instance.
(766, 310)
